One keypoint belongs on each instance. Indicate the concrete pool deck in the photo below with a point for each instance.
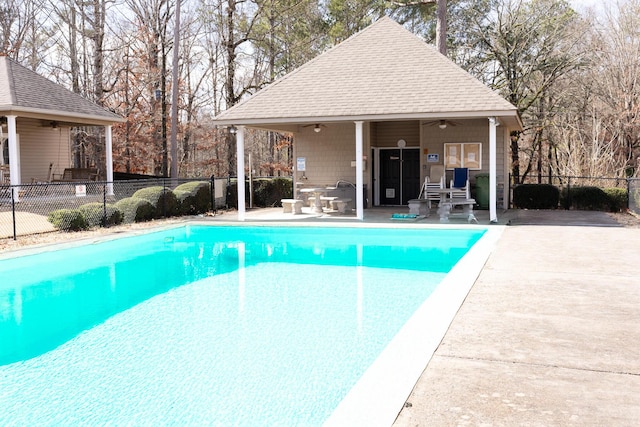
(548, 334)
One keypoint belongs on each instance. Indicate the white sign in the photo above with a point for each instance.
(81, 190)
(301, 164)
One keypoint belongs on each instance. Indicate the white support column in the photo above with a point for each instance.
(240, 162)
(109, 158)
(493, 123)
(14, 156)
(359, 170)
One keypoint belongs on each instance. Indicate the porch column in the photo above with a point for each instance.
(240, 162)
(109, 156)
(359, 169)
(14, 155)
(493, 123)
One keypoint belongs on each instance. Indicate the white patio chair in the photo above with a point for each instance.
(434, 180)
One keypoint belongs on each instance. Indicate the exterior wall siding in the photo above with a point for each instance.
(39, 146)
(328, 154)
(433, 139)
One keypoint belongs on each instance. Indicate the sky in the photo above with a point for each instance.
(581, 5)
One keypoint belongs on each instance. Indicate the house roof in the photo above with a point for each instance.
(384, 72)
(26, 93)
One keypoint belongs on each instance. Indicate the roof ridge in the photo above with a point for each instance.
(8, 77)
(28, 90)
(382, 71)
(309, 63)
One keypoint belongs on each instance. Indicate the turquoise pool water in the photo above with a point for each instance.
(207, 325)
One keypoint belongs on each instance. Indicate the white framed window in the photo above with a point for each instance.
(463, 155)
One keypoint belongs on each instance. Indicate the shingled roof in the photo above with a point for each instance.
(381, 73)
(28, 94)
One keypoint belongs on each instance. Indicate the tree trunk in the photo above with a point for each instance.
(441, 27)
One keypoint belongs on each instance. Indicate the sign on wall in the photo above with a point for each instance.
(301, 163)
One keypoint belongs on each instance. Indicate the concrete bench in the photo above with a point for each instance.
(445, 207)
(340, 205)
(419, 206)
(291, 206)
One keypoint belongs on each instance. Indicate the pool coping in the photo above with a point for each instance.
(379, 395)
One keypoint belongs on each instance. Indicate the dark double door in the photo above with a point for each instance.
(399, 175)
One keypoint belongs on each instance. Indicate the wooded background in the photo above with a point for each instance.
(573, 76)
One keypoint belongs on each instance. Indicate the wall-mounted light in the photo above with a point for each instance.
(54, 125)
(317, 128)
(442, 124)
(233, 130)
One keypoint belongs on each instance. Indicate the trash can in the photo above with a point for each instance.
(482, 190)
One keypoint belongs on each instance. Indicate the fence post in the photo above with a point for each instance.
(212, 193)
(13, 213)
(104, 206)
(568, 206)
(164, 198)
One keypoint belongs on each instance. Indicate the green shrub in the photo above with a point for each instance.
(595, 199)
(94, 214)
(536, 196)
(193, 197)
(135, 210)
(162, 199)
(618, 199)
(282, 188)
(67, 220)
(268, 191)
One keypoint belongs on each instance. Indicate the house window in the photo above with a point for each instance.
(463, 155)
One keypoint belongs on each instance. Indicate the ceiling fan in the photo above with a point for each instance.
(317, 127)
(442, 124)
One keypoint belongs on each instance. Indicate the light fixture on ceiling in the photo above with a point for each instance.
(233, 130)
(442, 124)
(54, 125)
(316, 127)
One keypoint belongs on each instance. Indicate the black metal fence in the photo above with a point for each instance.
(634, 195)
(565, 183)
(27, 208)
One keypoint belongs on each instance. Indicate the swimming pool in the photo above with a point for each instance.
(210, 325)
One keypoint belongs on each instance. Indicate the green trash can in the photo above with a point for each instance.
(482, 190)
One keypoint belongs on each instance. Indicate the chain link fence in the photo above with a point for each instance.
(634, 195)
(44, 207)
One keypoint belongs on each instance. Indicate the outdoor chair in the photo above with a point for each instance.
(459, 186)
(435, 180)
